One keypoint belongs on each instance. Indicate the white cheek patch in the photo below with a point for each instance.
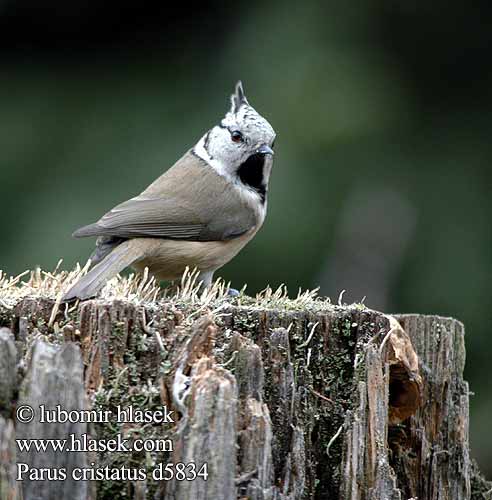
(248, 195)
(215, 163)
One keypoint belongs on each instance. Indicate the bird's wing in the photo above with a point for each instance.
(189, 202)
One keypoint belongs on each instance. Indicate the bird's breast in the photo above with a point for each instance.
(168, 259)
(253, 202)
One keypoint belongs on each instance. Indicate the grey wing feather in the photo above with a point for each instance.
(188, 202)
(156, 224)
(144, 218)
(104, 246)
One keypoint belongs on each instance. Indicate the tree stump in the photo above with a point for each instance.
(282, 399)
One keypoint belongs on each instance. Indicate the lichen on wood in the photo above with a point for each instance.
(283, 399)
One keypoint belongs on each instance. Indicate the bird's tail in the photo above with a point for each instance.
(89, 285)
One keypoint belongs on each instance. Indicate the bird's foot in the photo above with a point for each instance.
(232, 292)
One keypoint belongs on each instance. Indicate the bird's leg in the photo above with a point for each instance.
(205, 278)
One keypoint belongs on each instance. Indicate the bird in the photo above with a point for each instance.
(198, 214)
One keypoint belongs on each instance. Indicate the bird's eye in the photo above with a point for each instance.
(236, 136)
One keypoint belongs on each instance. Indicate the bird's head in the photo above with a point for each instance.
(242, 135)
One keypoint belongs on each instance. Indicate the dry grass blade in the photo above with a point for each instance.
(143, 288)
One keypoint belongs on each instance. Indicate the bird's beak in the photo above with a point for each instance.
(265, 150)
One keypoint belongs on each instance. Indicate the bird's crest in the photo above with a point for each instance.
(238, 98)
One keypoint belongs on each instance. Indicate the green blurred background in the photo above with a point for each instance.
(382, 177)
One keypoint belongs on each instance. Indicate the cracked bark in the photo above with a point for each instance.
(339, 403)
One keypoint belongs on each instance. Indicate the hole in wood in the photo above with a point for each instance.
(404, 394)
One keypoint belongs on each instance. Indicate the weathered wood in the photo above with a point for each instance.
(255, 425)
(8, 380)
(54, 379)
(9, 489)
(8, 369)
(307, 401)
(433, 444)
